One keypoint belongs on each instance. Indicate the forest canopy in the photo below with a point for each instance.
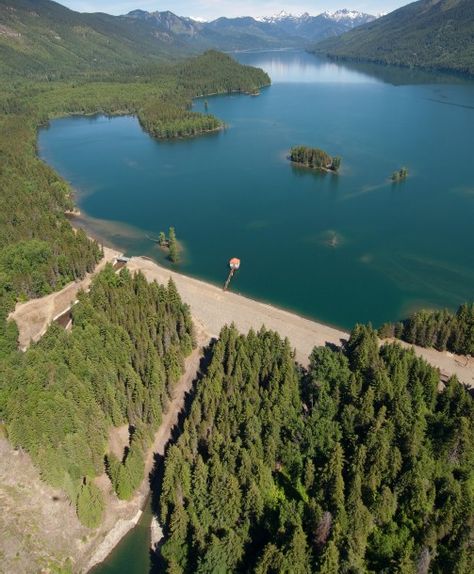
(314, 158)
(357, 465)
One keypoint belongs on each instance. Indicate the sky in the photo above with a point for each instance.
(211, 9)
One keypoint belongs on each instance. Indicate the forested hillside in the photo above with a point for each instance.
(436, 34)
(41, 38)
(117, 366)
(358, 465)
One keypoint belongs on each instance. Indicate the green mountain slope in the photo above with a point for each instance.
(437, 34)
(43, 37)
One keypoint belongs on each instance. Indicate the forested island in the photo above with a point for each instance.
(359, 464)
(399, 175)
(169, 243)
(314, 158)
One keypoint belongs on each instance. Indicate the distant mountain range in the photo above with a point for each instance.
(246, 33)
(42, 37)
(434, 34)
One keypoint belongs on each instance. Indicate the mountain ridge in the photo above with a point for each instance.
(281, 30)
(430, 34)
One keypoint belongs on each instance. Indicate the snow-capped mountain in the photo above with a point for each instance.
(280, 17)
(281, 30)
(315, 28)
(343, 15)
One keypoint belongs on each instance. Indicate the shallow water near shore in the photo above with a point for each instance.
(132, 554)
(340, 248)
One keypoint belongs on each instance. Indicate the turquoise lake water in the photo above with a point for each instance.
(341, 249)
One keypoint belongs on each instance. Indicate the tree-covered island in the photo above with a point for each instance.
(314, 158)
(399, 175)
(169, 243)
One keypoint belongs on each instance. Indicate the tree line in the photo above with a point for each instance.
(440, 329)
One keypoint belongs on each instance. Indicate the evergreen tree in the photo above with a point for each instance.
(173, 246)
(90, 505)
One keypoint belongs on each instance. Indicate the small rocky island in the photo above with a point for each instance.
(399, 175)
(314, 158)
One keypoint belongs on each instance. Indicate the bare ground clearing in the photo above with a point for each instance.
(33, 317)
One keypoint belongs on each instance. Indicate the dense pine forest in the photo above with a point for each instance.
(442, 330)
(314, 158)
(117, 366)
(359, 464)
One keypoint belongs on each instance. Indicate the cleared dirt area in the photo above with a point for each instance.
(38, 526)
(34, 317)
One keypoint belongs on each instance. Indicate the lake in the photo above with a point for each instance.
(341, 249)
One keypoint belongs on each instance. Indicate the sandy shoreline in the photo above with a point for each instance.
(212, 308)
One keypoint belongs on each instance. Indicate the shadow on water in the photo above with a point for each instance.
(303, 171)
(157, 563)
(399, 75)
